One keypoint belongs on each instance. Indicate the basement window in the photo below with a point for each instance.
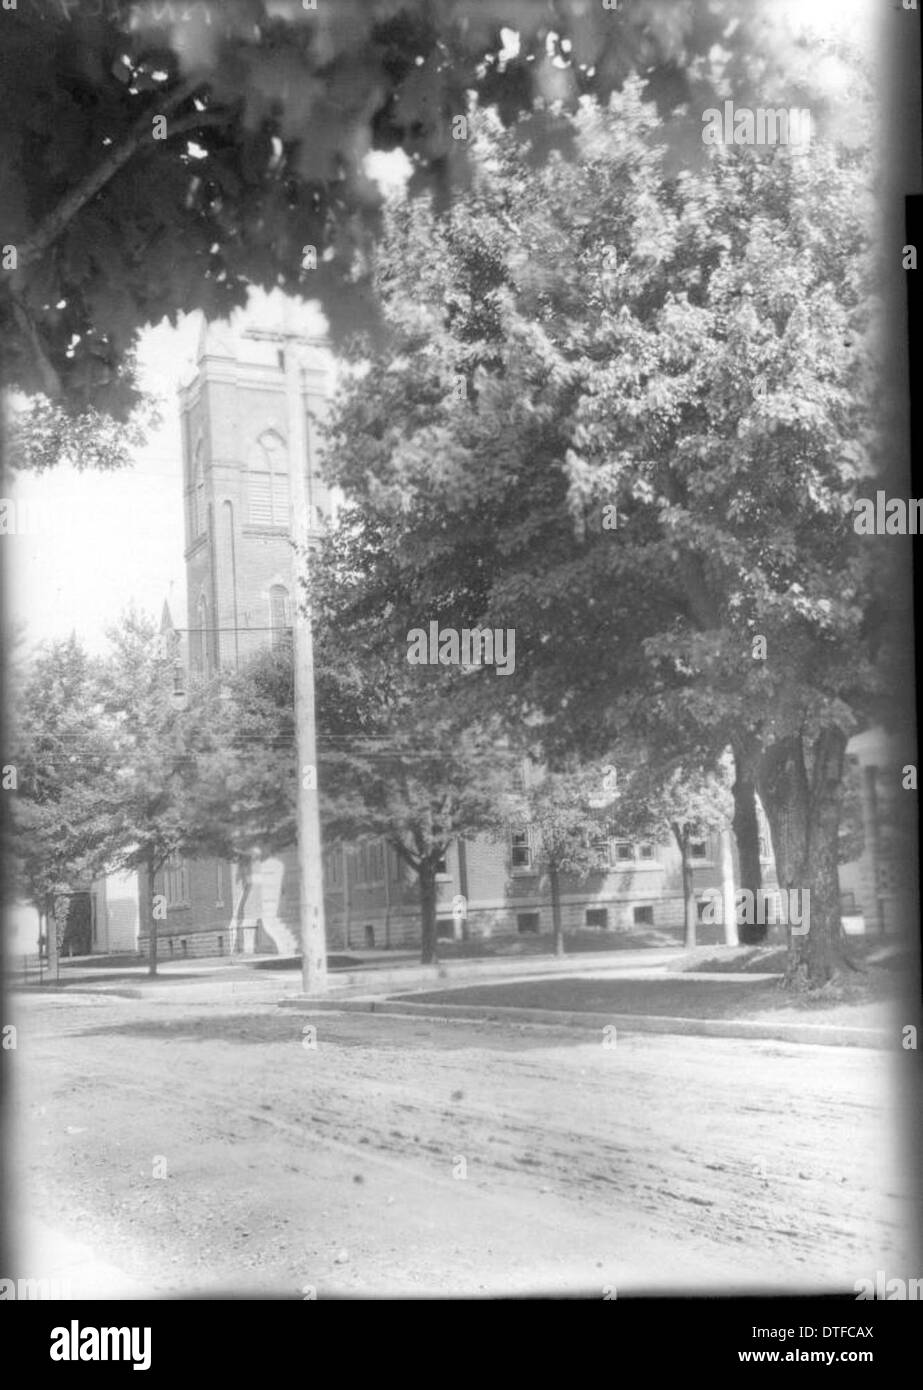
(527, 923)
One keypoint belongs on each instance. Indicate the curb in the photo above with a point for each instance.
(825, 1034)
(446, 974)
(72, 991)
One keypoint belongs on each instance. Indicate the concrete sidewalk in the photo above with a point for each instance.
(445, 974)
(380, 976)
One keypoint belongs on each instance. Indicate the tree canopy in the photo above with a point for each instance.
(625, 411)
(162, 157)
(58, 821)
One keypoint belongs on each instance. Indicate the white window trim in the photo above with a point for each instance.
(278, 481)
(529, 846)
(635, 861)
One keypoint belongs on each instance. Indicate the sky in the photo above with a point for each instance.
(116, 539)
(110, 538)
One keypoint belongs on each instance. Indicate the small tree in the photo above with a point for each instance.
(59, 821)
(158, 802)
(422, 782)
(669, 794)
(397, 759)
(559, 809)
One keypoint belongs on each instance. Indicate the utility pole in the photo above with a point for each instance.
(310, 865)
(344, 870)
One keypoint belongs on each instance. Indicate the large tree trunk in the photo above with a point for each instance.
(804, 814)
(426, 872)
(344, 869)
(554, 881)
(747, 834)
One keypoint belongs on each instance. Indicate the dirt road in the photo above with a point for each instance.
(208, 1146)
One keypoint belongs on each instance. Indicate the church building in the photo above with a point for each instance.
(239, 415)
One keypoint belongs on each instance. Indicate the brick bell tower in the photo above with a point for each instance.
(236, 471)
(237, 460)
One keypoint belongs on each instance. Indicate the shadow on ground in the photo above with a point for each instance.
(381, 1032)
(874, 999)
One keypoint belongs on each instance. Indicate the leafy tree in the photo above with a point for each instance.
(401, 754)
(663, 794)
(566, 826)
(396, 759)
(161, 157)
(247, 772)
(58, 821)
(625, 411)
(423, 780)
(41, 434)
(158, 802)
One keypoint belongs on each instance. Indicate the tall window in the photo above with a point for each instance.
(197, 501)
(521, 848)
(368, 865)
(280, 615)
(200, 636)
(267, 481)
(602, 839)
(176, 881)
(333, 867)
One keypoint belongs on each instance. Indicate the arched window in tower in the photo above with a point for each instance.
(200, 643)
(267, 481)
(280, 616)
(198, 493)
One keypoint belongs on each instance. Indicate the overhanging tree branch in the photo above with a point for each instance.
(141, 133)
